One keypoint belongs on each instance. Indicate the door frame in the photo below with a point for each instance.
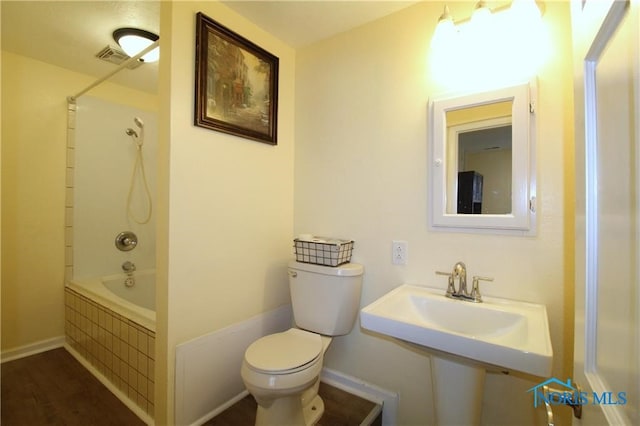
(607, 16)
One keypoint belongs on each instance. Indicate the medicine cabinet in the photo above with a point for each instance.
(482, 161)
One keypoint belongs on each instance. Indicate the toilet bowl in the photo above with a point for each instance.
(282, 372)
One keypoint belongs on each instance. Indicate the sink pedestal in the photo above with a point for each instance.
(457, 390)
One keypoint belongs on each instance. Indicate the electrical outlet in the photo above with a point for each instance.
(400, 253)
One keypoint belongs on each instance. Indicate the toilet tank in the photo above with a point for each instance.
(325, 299)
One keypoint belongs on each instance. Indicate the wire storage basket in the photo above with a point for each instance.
(323, 251)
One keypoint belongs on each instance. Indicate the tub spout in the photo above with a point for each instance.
(128, 267)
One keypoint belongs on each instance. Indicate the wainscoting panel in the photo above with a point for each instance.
(208, 367)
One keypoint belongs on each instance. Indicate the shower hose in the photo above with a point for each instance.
(138, 167)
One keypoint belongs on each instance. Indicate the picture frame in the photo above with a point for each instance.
(236, 84)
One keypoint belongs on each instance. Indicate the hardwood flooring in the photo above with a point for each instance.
(52, 388)
(340, 409)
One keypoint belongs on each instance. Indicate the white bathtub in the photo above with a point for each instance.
(136, 302)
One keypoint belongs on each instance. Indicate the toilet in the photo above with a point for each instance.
(282, 370)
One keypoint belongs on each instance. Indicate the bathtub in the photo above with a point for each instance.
(110, 329)
(136, 302)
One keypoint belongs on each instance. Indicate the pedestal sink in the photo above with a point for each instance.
(464, 339)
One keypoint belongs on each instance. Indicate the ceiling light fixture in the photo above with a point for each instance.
(523, 13)
(134, 40)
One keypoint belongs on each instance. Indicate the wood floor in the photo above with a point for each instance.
(52, 388)
(340, 409)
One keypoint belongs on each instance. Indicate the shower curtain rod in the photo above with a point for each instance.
(112, 73)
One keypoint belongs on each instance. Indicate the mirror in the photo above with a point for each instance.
(482, 161)
(479, 146)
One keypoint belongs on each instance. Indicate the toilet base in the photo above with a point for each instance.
(313, 411)
(290, 411)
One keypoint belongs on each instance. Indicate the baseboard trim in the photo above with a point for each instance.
(202, 420)
(32, 349)
(365, 390)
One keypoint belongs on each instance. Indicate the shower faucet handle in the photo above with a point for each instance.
(126, 241)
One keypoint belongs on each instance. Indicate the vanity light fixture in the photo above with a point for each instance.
(489, 46)
(481, 15)
(134, 40)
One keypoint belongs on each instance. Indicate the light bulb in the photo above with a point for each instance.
(132, 45)
(445, 33)
(481, 15)
(525, 10)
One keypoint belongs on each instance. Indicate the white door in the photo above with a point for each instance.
(607, 292)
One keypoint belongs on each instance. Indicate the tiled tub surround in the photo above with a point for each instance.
(110, 337)
(118, 348)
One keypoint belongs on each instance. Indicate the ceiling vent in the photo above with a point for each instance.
(116, 56)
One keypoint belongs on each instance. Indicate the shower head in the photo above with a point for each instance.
(138, 138)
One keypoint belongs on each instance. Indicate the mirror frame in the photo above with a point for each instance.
(522, 219)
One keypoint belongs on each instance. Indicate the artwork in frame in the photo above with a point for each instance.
(236, 84)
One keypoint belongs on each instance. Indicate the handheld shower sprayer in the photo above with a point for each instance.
(137, 137)
(138, 121)
(139, 173)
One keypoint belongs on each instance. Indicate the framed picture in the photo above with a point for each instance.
(236, 84)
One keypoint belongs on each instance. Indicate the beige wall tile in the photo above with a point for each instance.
(115, 346)
(143, 363)
(143, 342)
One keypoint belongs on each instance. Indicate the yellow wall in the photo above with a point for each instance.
(361, 173)
(33, 190)
(225, 230)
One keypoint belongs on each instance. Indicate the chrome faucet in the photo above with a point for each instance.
(460, 272)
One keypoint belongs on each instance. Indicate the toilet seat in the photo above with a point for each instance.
(284, 353)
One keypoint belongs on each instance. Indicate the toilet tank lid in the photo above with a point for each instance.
(345, 270)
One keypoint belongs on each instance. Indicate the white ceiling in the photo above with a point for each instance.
(70, 33)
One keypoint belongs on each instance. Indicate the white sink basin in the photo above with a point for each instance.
(505, 333)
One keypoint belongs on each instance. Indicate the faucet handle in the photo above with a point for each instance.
(475, 295)
(451, 289)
